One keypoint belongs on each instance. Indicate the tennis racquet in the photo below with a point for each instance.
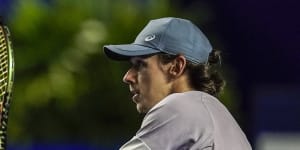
(6, 81)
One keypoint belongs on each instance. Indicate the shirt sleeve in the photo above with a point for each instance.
(135, 144)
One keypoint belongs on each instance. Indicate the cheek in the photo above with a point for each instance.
(144, 82)
(153, 85)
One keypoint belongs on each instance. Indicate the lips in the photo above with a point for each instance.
(135, 95)
(135, 98)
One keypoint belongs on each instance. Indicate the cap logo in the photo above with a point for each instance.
(150, 37)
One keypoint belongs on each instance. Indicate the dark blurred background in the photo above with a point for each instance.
(68, 95)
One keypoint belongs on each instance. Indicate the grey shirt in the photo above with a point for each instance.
(192, 120)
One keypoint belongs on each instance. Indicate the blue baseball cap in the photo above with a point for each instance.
(169, 35)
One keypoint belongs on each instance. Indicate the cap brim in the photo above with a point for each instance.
(126, 51)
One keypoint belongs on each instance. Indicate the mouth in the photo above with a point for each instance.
(135, 97)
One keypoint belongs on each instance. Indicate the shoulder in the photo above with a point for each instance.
(177, 119)
(178, 110)
(187, 104)
(182, 99)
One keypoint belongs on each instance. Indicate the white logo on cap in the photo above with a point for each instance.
(150, 37)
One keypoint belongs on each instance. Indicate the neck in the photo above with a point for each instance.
(181, 84)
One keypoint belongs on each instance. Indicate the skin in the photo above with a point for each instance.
(150, 81)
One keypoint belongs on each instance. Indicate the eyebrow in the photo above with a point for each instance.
(138, 60)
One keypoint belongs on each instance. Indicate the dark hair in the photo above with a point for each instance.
(205, 76)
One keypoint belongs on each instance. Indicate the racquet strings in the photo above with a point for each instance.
(4, 79)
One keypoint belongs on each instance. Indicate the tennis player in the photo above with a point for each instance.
(174, 81)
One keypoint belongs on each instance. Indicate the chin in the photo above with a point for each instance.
(140, 109)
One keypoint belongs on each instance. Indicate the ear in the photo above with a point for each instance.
(177, 66)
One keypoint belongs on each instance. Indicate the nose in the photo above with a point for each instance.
(129, 77)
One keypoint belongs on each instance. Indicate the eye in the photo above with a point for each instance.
(138, 65)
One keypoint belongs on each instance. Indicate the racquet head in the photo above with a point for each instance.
(6, 81)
